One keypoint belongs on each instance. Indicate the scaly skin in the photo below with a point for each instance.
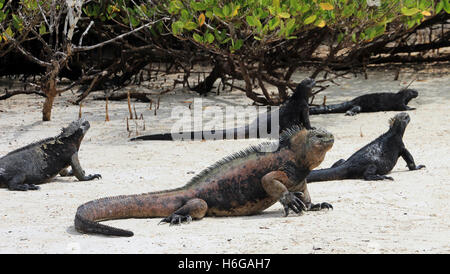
(370, 103)
(373, 161)
(293, 112)
(244, 183)
(39, 162)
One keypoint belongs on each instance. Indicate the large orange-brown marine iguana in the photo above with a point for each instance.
(292, 112)
(37, 163)
(244, 183)
(382, 101)
(374, 160)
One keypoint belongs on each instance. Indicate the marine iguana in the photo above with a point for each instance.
(293, 111)
(384, 101)
(41, 161)
(244, 183)
(374, 160)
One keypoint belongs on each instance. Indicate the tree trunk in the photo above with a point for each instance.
(49, 88)
(47, 109)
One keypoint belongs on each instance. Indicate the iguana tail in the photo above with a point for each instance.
(327, 174)
(336, 108)
(236, 133)
(122, 207)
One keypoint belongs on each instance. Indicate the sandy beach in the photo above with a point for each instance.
(408, 215)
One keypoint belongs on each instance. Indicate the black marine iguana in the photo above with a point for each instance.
(293, 111)
(39, 162)
(374, 160)
(244, 183)
(374, 102)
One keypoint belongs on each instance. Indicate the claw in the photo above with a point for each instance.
(326, 205)
(33, 187)
(320, 206)
(176, 219)
(290, 201)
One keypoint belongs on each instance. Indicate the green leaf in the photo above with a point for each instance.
(238, 44)
(218, 12)
(348, 11)
(226, 10)
(273, 23)
(209, 38)
(409, 12)
(198, 6)
(294, 4)
(310, 19)
(185, 16)
(251, 20)
(42, 29)
(290, 26)
(190, 25)
(439, 6)
(177, 27)
(198, 38)
(284, 15)
(446, 5)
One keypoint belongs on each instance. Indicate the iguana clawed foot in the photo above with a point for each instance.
(291, 200)
(176, 219)
(24, 187)
(93, 176)
(417, 167)
(377, 177)
(320, 206)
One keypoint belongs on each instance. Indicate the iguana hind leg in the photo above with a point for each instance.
(194, 209)
(371, 175)
(338, 163)
(66, 173)
(17, 183)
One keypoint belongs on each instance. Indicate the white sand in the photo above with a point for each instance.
(408, 215)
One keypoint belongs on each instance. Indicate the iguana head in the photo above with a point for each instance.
(304, 88)
(76, 130)
(399, 122)
(310, 146)
(408, 94)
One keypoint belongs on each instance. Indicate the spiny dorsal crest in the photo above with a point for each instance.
(397, 117)
(286, 135)
(264, 147)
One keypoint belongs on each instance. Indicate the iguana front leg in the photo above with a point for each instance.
(305, 115)
(409, 160)
(78, 172)
(193, 209)
(276, 184)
